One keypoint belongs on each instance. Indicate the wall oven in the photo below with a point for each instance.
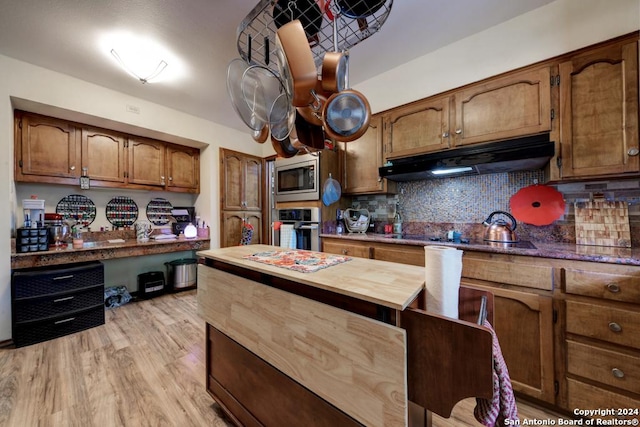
(303, 223)
(299, 178)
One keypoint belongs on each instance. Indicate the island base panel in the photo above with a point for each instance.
(236, 375)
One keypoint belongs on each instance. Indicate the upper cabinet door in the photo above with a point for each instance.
(253, 183)
(512, 106)
(241, 178)
(599, 112)
(147, 162)
(46, 147)
(418, 128)
(362, 158)
(103, 155)
(183, 167)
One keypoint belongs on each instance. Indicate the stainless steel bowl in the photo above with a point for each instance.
(59, 234)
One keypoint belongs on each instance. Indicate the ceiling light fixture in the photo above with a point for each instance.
(161, 66)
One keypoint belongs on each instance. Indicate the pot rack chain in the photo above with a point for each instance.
(256, 33)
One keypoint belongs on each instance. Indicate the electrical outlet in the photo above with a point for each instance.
(133, 109)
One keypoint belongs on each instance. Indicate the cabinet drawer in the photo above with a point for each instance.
(57, 305)
(349, 249)
(508, 270)
(585, 396)
(38, 282)
(605, 323)
(35, 332)
(605, 366)
(402, 254)
(617, 287)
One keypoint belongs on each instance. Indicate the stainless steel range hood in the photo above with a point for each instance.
(529, 153)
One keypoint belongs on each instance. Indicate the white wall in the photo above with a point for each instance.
(551, 30)
(558, 27)
(26, 86)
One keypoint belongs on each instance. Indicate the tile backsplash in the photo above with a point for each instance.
(433, 206)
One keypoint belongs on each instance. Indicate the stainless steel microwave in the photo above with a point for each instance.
(300, 178)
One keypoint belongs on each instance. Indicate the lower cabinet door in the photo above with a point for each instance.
(233, 223)
(523, 322)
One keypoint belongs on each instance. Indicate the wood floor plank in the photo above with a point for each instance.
(144, 367)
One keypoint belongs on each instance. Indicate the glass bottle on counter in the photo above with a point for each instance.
(339, 221)
(397, 221)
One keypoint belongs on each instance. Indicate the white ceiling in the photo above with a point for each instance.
(63, 36)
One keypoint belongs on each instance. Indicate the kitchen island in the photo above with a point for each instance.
(346, 344)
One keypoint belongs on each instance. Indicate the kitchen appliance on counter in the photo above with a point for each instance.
(183, 216)
(303, 222)
(499, 230)
(300, 178)
(33, 210)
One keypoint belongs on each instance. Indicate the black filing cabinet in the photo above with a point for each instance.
(54, 301)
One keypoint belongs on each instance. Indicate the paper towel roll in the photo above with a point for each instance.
(443, 269)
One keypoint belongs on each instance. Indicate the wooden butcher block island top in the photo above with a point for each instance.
(346, 344)
(388, 284)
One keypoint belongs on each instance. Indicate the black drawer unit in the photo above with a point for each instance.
(54, 301)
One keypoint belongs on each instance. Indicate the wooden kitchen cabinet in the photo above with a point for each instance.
(349, 248)
(362, 158)
(241, 181)
(231, 227)
(240, 196)
(523, 322)
(515, 105)
(417, 128)
(599, 112)
(602, 336)
(523, 315)
(46, 149)
(183, 168)
(147, 162)
(104, 155)
(55, 151)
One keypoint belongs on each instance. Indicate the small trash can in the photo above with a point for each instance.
(182, 273)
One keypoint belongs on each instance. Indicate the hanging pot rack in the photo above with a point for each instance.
(256, 33)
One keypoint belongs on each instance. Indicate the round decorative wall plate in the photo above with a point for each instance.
(159, 211)
(122, 211)
(77, 207)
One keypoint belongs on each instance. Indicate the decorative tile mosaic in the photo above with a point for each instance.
(431, 207)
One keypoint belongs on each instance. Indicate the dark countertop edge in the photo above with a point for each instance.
(105, 251)
(609, 255)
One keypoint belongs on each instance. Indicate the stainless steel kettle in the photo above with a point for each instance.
(499, 230)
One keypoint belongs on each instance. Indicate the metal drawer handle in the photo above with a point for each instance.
(613, 288)
(63, 277)
(617, 373)
(71, 319)
(63, 299)
(615, 327)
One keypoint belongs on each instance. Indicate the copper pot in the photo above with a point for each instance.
(346, 115)
(499, 230)
(296, 63)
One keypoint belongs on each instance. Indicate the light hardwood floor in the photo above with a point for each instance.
(144, 367)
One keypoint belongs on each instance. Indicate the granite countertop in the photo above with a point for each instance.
(104, 250)
(605, 254)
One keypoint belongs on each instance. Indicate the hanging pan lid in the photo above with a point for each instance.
(537, 205)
